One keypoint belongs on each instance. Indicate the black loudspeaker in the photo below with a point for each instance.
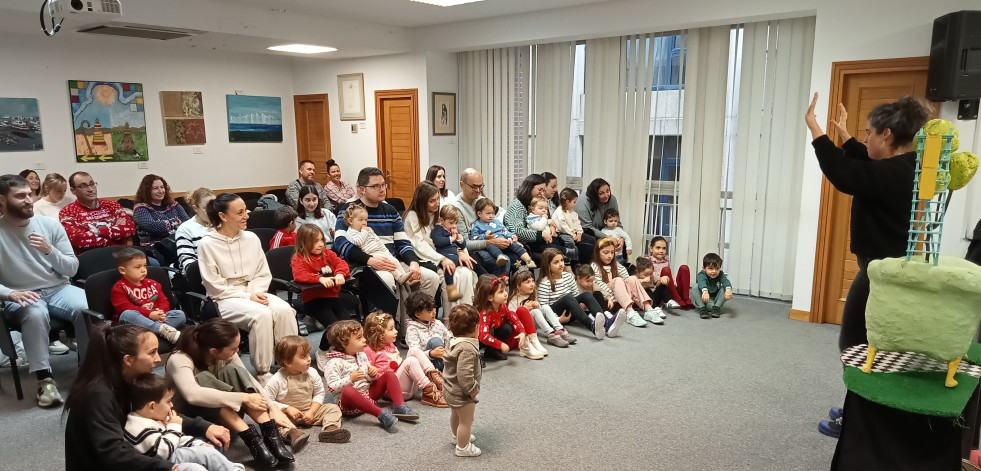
(955, 57)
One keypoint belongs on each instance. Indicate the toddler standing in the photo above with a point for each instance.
(284, 221)
(141, 301)
(449, 243)
(463, 377)
(712, 288)
(414, 372)
(298, 390)
(487, 225)
(423, 330)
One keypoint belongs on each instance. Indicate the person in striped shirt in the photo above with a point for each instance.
(191, 231)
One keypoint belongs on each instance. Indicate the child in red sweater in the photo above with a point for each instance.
(502, 329)
(285, 222)
(139, 300)
(314, 264)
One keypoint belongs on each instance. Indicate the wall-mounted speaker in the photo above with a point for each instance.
(955, 57)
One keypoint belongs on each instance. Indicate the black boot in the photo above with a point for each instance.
(274, 441)
(257, 446)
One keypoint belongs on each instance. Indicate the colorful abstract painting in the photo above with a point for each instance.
(109, 122)
(183, 114)
(20, 125)
(255, 118)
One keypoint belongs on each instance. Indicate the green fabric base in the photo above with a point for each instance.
(974, 353)
(917, 392)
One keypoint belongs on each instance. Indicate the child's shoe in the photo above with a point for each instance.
(635, 319)
(660, 312)
(404, 413)
(599, 326)
(493, 354)
(672, 304)
(536, 344)
(387, 419)
(431, 396)
(653, 315)
(436, 377)
(335, 434)
(403, 278)
(297, 438)
(472, 439)
(530, 264)
(715, 311)
(502, 260)
(528, 351)
(567, 336)
(468, 451)
(689, 305)
(556, 340)
(703, 312)
(169, 333)
(453, 294)
(614, 322)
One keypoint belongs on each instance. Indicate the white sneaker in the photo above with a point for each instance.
(468, 451)
(58, 348)
(616, 321)
(599, 326)
(321, 360)
(169, 333)
(660, 313)
(635, 320)
(472, 439)
(672, 304)
(47, 393)
(651, 315)
(263, 378)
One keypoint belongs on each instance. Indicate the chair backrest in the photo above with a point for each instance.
(397, 203)
(279, 262)
(262, 218)
(265, 236)
(184, 204)
(93, 261)
(280, 194)
(193, 276)
(99, 286)
(126, 203)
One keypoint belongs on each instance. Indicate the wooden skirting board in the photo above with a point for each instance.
(175, 194)
(799, 315)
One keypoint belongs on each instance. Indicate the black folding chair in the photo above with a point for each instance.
(262, 218)
(93, 261)
(97, 293)
(7, 347)
(265, 236)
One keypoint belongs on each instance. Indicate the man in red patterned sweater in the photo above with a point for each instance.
(91, 222)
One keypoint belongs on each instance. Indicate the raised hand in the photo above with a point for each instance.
(811, 119)
(841, 123)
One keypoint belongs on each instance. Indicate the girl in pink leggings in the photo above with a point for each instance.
(416, 371)
(614, 282)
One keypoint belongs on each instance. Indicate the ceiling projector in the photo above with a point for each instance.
(90, 8)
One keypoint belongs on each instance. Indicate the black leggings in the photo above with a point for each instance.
(504, 332)
(327, 311)
(659, 295)
(853, 315)
(570, 304)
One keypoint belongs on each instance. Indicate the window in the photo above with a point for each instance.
(576, 130)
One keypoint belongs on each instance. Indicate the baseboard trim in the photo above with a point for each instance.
(799, 315)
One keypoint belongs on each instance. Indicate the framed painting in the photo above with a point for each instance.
(444, 114)
(255, 118)
(350, 88)
(108, 120)
(20, 125)
(183, 115)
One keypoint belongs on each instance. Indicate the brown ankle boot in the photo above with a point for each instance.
(431, 396)
(298, 439)
(436, 377)
(453, 294)
(334, 434)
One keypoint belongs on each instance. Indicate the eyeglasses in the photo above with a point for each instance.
(475, 187)
(86, 186)
(379, 186)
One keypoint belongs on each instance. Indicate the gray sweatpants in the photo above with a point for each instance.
(696, 297)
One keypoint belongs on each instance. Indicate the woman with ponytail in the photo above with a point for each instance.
(98, 403)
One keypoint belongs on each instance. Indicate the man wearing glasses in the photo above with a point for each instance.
(91, 222)
(471, 189)
(386, 222)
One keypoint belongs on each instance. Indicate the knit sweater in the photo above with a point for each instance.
(154, 223)
(188, 236)
(420, 238)
(129, 297)
(567, 222)
(95, 439)
(468, 215)
(233, 267)
(489, 321)
(712, 285)
(516, 222)
(282, 239)
(461, 371)
(592, 219)
(881, 191)
(78, 219)
(417, 334)
(603, 286)
(340, 365)
(311, 270)
(386, 223)
(276, 387)
(619, 233)
(496, 227)
(43, 207)
(325, 223)
(26, 268)
(566, 284)
(155, 438)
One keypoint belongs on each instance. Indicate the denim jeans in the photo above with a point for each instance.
(489, 263)
(174, 319)
(433, 344)
(64, 302)
(193, 458)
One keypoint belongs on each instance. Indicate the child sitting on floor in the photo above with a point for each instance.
(502, 329)
(284, 221)
(611, 228)
(359, 234)
(448, 242)
(487, 225)
(414, 372)
(524, 292)
(712, 288)
(653, 285)
(463, 377)
(298, 390)
(680, 286)
(423, 330)
(139, 300)
(155, 429)
(356, 382)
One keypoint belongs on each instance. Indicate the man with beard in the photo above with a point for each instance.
(37, 261)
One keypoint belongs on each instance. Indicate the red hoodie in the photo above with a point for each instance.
(310, 270)
(129, 297)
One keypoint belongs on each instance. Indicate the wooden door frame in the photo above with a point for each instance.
(839, 73)
(297, 99)
(413, 95)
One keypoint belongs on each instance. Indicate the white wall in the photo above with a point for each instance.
(443, 76)
(35, 66)
(356, 151)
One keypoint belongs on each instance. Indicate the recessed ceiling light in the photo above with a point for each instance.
(447, 3)
(302, 48)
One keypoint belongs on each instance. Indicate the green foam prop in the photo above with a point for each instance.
(917, 392)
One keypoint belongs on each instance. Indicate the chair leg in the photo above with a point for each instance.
(17, 387)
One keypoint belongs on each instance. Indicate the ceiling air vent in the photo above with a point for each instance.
(131, 30)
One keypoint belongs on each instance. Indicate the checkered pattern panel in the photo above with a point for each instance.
(894, 362)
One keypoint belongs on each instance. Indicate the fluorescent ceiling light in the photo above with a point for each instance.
(302, 48)
(447, 3)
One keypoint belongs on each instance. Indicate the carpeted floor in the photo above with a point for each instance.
(741, 392)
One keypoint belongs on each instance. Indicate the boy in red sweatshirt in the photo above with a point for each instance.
(139, 300)
(285, 223)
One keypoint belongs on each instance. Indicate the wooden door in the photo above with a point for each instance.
(313, 132)
(860, 86)
(397, 118)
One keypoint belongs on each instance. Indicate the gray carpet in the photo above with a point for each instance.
(741, 392)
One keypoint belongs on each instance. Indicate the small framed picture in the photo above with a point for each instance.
(444, 114)
(350, 88)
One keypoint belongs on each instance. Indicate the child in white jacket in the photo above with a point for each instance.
(423, 330)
